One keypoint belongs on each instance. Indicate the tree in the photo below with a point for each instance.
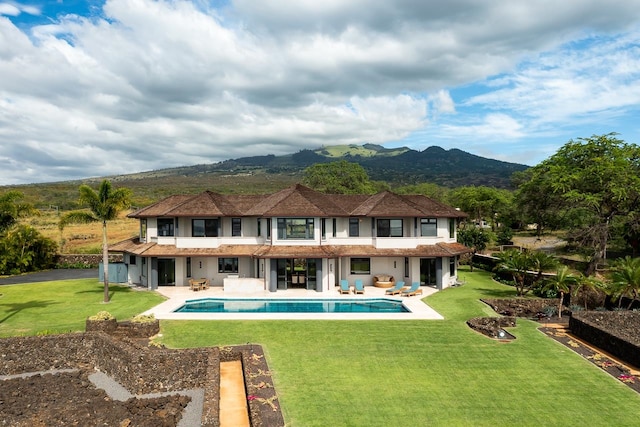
(561, 283)
(585, 283)
(474, 238)
(24, 249)
(625, 280)
(482, 203)
(339, 177)
(12, 209)
(105, 205)
(591, 182)
(526, 268)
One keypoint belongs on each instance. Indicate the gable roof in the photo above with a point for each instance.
(298, 201)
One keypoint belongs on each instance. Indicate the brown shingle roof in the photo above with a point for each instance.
(298, 201)
(281, 251)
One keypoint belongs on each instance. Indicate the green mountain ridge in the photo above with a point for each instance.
(268, 173)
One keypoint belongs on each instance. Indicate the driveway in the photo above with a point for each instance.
(49, 275)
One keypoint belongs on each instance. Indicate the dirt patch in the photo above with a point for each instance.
(71, 399)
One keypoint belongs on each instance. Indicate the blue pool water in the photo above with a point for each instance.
(219, 305)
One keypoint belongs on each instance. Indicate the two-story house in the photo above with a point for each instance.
(294, 238)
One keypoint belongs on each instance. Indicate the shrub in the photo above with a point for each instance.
(143, 318)
(102, 315)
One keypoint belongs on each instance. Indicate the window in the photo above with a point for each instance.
(295, 228)
(429, 227)
(354, 227)
(406, 267)
(268, 228)
(452, 228)
(334, 229)
(389, 227)
(360, 265)
(259, 228)
(205, 227)
(165, 226)
(143, 229)
(452, 266)
(188, 266)
(236, 227)
(132, 260)
(227, 265)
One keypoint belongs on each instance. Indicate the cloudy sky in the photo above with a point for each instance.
(95, 88)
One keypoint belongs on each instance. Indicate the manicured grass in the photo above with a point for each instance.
(419, 373)
(63, 306)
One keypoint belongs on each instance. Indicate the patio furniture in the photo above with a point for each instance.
(344, 287)
(383, 281)
(396, 289)
(413, 290)
(194, 285)
(204, 283)
(359, 287)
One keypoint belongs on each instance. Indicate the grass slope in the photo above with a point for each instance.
(427, 373)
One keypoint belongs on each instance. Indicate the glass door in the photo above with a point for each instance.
(166, 272)
(283, 269)
(428, 271)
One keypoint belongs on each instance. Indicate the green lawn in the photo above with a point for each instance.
(375, 373)
(424, 373)
(63, 306)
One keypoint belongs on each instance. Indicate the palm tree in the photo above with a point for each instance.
(561, 283)
(517, 263)
(625, 279)
(584, 283)
(105, 205)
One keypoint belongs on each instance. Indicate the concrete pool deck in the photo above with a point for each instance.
(177, 296)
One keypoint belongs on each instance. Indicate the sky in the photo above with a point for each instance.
(98, 88)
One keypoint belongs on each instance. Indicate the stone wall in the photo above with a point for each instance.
(622, 342)
(83, 260)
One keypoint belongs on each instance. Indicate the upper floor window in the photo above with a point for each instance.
(295, 228)
(165, 227)
(452, 228)
(354, 227)
(428, 227)
(236, 227)
(323, 228)
(389, 227)
(205, 227)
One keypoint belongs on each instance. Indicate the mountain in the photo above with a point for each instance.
(262, 174)
(399, 166)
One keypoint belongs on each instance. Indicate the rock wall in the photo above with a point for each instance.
(622, 341)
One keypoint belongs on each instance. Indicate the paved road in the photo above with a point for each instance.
(49, 275)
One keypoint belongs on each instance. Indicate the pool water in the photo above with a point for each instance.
(220, 305)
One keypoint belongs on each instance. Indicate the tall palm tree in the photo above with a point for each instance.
(105, 205)
(561, 283)
(625, 279)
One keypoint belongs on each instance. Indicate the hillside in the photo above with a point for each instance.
(262, 174)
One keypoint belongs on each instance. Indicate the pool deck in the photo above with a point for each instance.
(176, 297)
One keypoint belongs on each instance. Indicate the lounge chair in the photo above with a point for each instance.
(359, 287)
(395, 290)
(413, 290)
(344, 287)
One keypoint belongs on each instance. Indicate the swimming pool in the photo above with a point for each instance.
(227, 305)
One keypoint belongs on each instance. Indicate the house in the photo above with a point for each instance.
(294, 238)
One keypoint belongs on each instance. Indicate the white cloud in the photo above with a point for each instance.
(164, 83)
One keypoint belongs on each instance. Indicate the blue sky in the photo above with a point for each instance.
(97, 88)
